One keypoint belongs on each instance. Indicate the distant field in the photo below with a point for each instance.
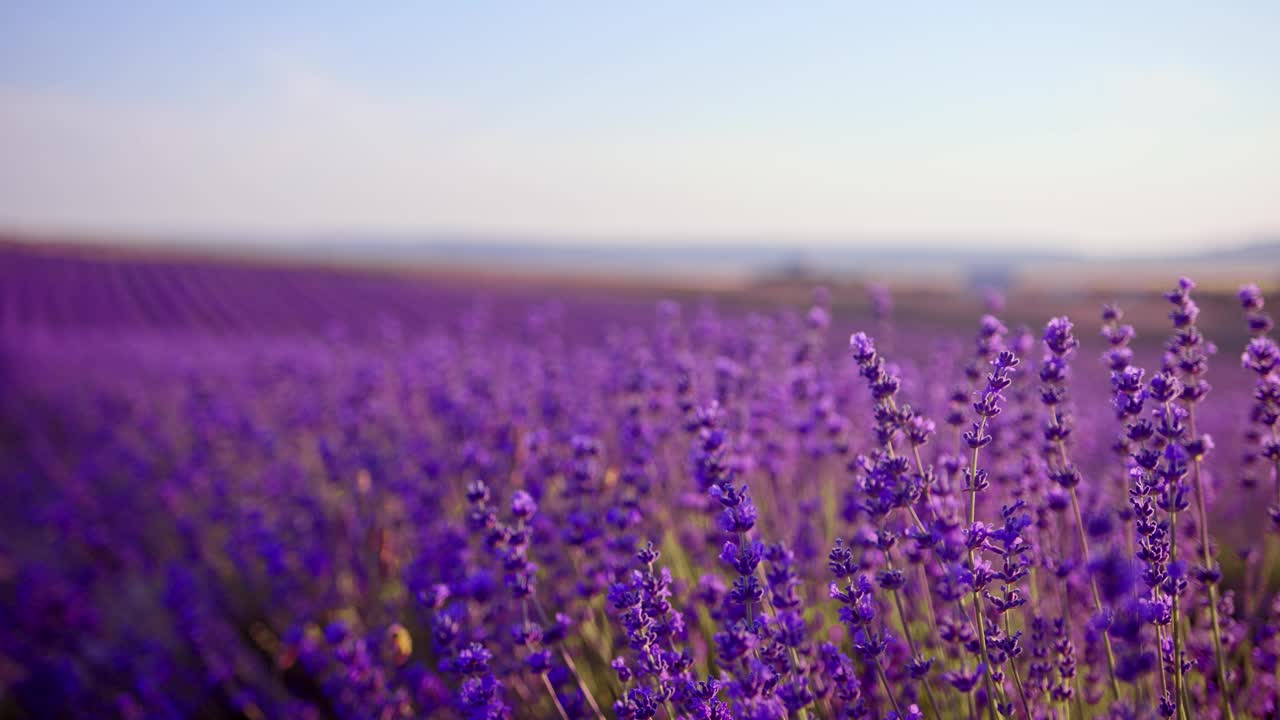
(99, 285)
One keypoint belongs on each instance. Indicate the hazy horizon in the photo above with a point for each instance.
(1147, 128)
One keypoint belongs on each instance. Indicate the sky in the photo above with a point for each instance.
(1100, 127)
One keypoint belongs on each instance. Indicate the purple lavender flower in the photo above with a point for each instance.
(388, 499)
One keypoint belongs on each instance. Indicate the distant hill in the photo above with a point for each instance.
(973, 262)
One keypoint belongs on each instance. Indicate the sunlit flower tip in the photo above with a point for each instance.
(523, 505)
(1260, 323)
(477, 492)
(977, 438)
(1128, 380)
(1250, 297)
(841, 560)
(746, 590)
(920, 429)
(913, 712)
(919, 666)
(473, 659)
(891, 580)
(639, 703)
(539, 661)
(1119, 336)
(1164, 387)
(862, 348)
(1057, 500)
(1261, 355)
(991, 326)
(963, 681)
(818, 318)
(835, 593)
(738, 519)
(1005, 360)
(527, 633)
(1199, 446)
(619, 666)
(1067, 477)
(743, 559)
(648, 554)
(1058, 336)
(479, 698)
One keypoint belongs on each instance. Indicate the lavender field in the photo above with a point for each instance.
(253, 490)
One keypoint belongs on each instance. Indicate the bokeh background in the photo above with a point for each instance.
(227, 230)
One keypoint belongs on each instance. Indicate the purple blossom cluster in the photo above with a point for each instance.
(689, 517)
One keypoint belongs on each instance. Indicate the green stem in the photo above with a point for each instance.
(1203, 517)
(1097, 597)
(977, 598)
(1013, 668)
(573, 667)
(1164, 685)
(801, 713)
(552, 692)
(888, 690)
(906, 631)
(1178, 685)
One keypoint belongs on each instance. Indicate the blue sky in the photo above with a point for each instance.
(1139, 125)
